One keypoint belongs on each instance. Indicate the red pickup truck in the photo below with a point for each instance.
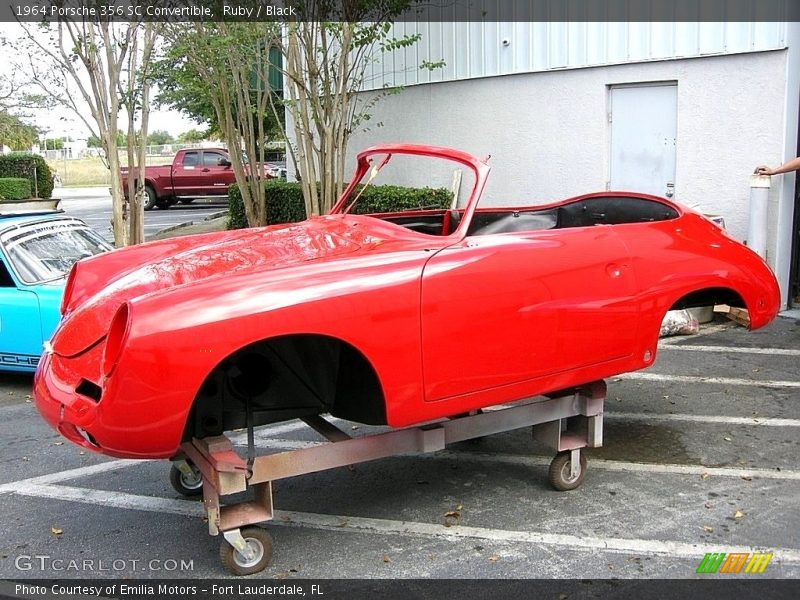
(194, 173)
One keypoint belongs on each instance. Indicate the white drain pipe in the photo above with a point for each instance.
(757, 224)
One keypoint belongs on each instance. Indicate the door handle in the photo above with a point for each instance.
(615, 270)
(206, 170)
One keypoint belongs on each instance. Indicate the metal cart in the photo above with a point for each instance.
(567, 421)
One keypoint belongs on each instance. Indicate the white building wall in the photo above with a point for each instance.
(485, 49)
(548, 132)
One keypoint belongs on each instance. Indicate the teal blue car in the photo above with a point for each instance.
(37, 250)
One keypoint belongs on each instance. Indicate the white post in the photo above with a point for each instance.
(757, 224)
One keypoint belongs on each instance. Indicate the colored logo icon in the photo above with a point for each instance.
(734, 562)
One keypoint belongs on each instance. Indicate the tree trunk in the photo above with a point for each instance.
(139, 64)
(119, 216)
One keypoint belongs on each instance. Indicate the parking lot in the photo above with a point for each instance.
(700, 456)
(93, 205)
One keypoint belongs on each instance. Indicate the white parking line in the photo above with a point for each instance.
(70, 474)
(617, 545)
(111, 499)
(618, 465)
(735, 350)
(404, 528)
(764, 421)
(638, 376)
(265, 443)
(594, 463)
(241, 436)
(115, 465)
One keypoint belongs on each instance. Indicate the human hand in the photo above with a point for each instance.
(763, 170)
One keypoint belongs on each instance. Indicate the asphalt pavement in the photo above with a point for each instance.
(700, 455)
(93, 205)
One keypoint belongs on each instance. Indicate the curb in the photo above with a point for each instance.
(210, 217)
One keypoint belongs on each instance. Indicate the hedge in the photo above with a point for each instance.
(285, 201)
(18, 164)
(14, 188)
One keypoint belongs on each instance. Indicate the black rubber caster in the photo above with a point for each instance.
(259, 542)
(560, 475)
(185, 484)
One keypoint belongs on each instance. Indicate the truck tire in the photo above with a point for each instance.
(150, 199)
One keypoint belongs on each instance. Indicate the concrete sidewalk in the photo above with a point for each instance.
(216, 222)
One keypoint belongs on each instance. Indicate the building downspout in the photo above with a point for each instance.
(786, 186)
(757, 218)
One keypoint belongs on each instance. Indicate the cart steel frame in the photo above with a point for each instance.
(567, 421)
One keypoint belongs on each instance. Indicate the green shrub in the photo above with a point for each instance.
(18, 164)
(284, 204)
(14, 188)
(285, 201)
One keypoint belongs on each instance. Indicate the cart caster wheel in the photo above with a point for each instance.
(560, 472)
(259, 542)
(186, 484)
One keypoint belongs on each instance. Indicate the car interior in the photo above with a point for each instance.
(603, 210)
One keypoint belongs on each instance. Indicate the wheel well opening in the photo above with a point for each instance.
(710, 297)
(284, 378)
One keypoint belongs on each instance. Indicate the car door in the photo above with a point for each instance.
(216, 177)
(20, 325)
(187, 179)
(505, 308)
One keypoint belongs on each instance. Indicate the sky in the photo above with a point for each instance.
(61, 122)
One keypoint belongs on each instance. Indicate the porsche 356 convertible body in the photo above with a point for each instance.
(392, 319)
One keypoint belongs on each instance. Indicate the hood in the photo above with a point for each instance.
(191, 259)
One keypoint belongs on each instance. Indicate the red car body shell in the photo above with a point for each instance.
(449, 323)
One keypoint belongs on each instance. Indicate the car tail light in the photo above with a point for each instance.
(68, 289)
(115, 340)
(717, 220)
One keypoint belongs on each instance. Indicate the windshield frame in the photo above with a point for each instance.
(479, 169)
(67, 223)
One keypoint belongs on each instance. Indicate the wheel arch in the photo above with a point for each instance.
(148, 182)
(709, 296)
(286, 377)
(655, 311)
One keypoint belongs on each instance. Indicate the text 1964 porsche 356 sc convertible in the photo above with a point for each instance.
(392, 319)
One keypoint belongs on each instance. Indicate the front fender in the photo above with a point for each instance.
(166, 360)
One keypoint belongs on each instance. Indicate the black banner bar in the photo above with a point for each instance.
(708, 588)
(411, 10)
